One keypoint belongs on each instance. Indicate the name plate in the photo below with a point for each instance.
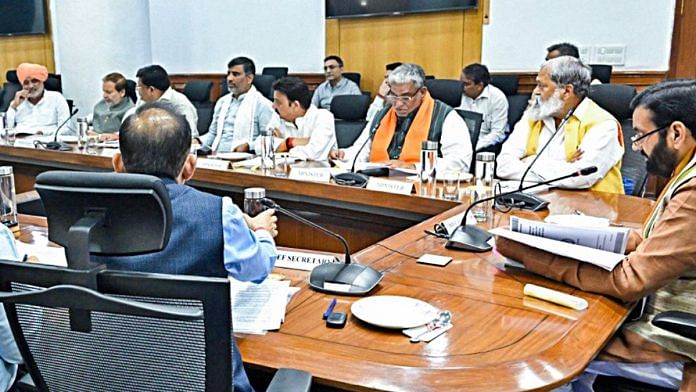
(391, 186)
(302, 260)
(214, 164)
(309, 174)
(24, 143)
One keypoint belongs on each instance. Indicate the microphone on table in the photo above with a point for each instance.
(528, 201)
(359, 179)
(341, 278)
(55, 144)
(475, 239)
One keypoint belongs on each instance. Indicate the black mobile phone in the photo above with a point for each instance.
(336, 320)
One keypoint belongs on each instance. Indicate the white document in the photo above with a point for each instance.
(610, 239)
(45, 254)
(304, 261)
(600, 258)
(258, 307)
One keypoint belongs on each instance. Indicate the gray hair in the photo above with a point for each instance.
(408, 73)
(566, 70)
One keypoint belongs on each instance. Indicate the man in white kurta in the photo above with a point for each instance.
(306, 132)
(35, 110)
(240, 116)
(561, 107)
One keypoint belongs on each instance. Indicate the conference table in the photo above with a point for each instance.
(501, 340)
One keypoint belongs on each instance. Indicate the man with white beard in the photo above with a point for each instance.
(578, 132)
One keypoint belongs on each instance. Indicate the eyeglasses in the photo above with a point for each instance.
(328, 67)
(402, 98)
(638, 138)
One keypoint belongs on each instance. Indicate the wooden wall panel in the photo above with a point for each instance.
(331, 45)
(27, 48)
(441, 42)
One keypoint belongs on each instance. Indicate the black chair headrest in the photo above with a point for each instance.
(198, 90)
(350, 107)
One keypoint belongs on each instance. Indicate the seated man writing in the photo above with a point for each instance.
(306, 131)
(662, 258)
(578, 132)
(210, 235)
(397, 131)
(35, 110)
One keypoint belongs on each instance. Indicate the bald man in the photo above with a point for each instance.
(34, 110)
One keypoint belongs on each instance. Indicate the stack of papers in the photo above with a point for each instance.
(257, 308)
(603, 247)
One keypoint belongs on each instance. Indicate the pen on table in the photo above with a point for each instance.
(26, 257)
(330, 309)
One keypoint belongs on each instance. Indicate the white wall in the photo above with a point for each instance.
(92, 38)
(202, 36)
(521, 30)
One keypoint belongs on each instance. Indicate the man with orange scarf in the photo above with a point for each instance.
(662, 258)
(397, 131)
(567, 131)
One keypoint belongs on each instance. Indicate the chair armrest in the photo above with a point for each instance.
(681, 323)
(290, 380)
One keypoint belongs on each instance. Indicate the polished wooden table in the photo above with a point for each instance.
(501, 340)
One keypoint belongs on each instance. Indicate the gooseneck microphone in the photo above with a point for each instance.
(475, 239)
(358, 179)
(529, 201)
(342, 278)
(55, 144)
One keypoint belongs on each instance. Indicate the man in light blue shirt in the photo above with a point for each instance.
(242, 115)
(334, 85)
(10, 358)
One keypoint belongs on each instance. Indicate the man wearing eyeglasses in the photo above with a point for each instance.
(564, 131)
(661, 262)
(334, 85)
(395, 134)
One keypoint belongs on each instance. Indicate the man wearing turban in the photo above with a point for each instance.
(35, 110)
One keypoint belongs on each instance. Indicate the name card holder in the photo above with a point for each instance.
(390, 186)
(214, 164)
(310, 174)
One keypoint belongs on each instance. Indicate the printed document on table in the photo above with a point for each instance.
(600, 258)
(610, 239)
(258, 307)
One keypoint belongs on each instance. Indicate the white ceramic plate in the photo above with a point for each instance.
(578, 220)
(233, 156)
(392, 311)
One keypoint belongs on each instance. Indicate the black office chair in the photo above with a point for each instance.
(517, 104)
(9, 90)
(350, 107)
(111, 330)
(276, 72)
(601, 72)
(53, 83)
(448, 91)
(508, 84)
(354, 76)
(349, 117)
(198, 92)
(429, 77)
(473, 122)
(130, 90)
(264, 83)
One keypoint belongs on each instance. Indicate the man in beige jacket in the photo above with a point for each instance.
(661, 262)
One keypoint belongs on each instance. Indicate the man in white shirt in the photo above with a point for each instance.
(334, 85)
(306, 131)
(35, 110)
(153, 85)
(578, 132)
(482, 97)
(396, 133)
(380, 100)
(240, 116)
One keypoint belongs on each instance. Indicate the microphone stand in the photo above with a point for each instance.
(475, 239)
(339, 278)
(55, 144)
(528, 201)
(358, 179)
